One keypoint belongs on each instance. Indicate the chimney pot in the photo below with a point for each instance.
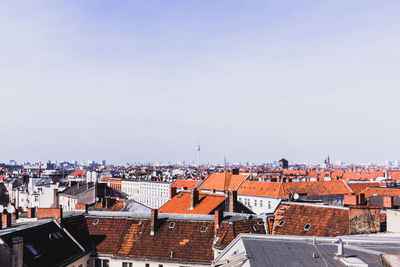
(154, 221)
(17, 252)
(194, 198)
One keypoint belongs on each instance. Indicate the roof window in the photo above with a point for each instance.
(281, 223)
(33, 251)
(256, 228)
(171, 225)
(95, 221)
(203, 229)
(307, 227)
(140, 223)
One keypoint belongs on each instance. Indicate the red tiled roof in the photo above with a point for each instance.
(77, 172)
(222, 181)
(190, 184)
(256, 188)
(358, 187)
(381, 191)
(208, 203)
(324, 221)
(318, 188)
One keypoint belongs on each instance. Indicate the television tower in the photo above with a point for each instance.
(198, 155)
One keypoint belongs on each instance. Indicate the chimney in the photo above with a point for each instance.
(154, 221)
(340, 247)
(17, 252)
(362, 199)
(86, 208)
(194, 198)
(218, 216)
(6, 219)
(55, 198)
(172, 192)
(232, 201)
(235, 171)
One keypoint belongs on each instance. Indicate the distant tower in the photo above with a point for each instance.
(198, 155)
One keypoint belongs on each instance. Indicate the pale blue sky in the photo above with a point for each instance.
(249, 80)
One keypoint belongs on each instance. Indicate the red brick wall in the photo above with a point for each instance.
(79, 206)
(364, 219)
(49, 213)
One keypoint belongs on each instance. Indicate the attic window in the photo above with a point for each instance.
(281, 223)
(33, 251)
(95, 221)
(171, 225)
(307, 227)
(256, 228)
(203, 229)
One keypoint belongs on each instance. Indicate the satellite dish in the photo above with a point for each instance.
(10, 209)
(1, 208)
(296, 196)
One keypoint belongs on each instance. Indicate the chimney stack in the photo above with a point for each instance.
(17, 252)
(154, 221)
(194, 198)
(232, 201)
(172, 192)
(218, 216)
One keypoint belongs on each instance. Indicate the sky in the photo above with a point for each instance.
(147, 81)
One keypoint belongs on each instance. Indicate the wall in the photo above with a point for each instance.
(364, 219)
(136, 263)
(82, 261)
(154, 194)
(393, 221)
(131, 188)
(259, 204)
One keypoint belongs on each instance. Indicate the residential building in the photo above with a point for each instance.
(154, 194)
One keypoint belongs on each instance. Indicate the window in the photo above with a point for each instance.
(281, 223)
(261, 203)
(171, 225)
(203, 229)
(34, 252)
(269, 204)
(127, 264)
(307, 227)
(255, 202)
(160, 265)
(147, 265)
(256, 228)
(88, 263)
(101, 263)
(95, 221)
(80, 265)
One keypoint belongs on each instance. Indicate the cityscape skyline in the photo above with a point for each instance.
(255, 81)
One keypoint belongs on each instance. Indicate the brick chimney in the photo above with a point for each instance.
(232, 201)
(154, 221)
(17, 252)
(172, 192)
(194, 198)
(218, 216)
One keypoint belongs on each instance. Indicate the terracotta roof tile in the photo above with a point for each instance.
(222, 181)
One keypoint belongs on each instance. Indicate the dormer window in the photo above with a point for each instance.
(307, 227)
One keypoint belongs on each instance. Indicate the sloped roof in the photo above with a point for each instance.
(256, 188)
(381, 191)
(190, 184)
(317, 188)
(131, 238)
(223, 181)
(77, 189)
(77, 173)
(53, 245)
(181, 204)
(324, 221)
(359, 187)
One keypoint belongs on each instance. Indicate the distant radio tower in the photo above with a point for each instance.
(198, 155)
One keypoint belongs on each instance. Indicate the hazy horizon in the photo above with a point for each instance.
(148, 81)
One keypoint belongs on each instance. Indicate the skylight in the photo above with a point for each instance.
(256, 228)
(33, 251)
(281, 223)
(307, 227)
(203, 229)
(171, 225)
(95, 221)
